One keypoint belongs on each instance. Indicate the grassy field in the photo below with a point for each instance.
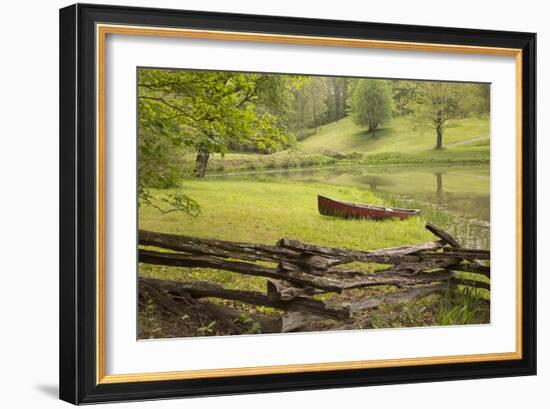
(397, 136)
(265, 207)
(266, 211)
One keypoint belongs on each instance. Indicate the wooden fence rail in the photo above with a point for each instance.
(298, 271)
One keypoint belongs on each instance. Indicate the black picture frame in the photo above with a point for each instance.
(78, 368)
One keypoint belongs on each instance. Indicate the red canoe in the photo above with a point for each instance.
(338, 208)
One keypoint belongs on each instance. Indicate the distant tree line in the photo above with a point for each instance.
(319, 101)
(372, 103)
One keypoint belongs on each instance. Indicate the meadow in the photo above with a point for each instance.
(265, 208)
(466, 141)
(398, 135)
(242, 157)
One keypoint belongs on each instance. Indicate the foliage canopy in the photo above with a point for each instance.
(206, 112)
(371, 103)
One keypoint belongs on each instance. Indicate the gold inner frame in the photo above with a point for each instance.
(101, 33)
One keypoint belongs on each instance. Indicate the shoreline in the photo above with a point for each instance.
(427, 164)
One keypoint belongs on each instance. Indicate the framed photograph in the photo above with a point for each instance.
(258, 203)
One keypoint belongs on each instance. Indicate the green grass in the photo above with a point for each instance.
(462, 306)
(265, 207)
(397, 136)
(344, 142)
(460, 155)
(250, 162)
(266, 211)
(480, 142)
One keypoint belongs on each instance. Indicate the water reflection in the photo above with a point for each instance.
(439, 191)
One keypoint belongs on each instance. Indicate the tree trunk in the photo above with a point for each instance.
(337, 98)
(372, 128)
(336, 104)
(439, 144)
(201, 161)
(344, 99)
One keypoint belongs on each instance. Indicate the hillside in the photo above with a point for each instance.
(345, 136)
(464, 142)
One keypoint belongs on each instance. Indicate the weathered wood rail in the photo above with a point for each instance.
(298, 271)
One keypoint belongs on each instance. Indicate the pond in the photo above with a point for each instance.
(456, 198)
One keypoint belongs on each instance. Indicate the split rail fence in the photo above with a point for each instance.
(297, 271)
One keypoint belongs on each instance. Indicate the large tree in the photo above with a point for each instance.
(438, 103)
(206, 112)
(371, 103)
